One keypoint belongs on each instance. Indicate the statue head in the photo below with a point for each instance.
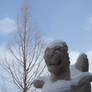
(56, 57)
(82, 63)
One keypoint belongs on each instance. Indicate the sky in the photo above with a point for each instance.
(68, 20)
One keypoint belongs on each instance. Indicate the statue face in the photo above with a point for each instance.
(54, 58)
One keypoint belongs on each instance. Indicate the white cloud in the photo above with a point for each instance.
(7, 25)
(73, 56)
(89, 53)
(3, 51)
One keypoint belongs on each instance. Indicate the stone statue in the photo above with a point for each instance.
(82, 65)
(57, 61)
(58, 64)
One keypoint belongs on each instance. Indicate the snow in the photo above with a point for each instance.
(74, 72)
(58, 86)
(44, 78)
(77, 78)
(56, 43)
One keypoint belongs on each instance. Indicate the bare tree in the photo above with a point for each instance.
(27, 54)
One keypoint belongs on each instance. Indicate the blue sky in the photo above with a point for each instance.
(69, 20)
(66, 20)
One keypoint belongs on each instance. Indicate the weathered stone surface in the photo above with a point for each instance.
(67, 78)
(82, 63)
(57, 60)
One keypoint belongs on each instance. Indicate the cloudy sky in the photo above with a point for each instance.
(68, 20)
